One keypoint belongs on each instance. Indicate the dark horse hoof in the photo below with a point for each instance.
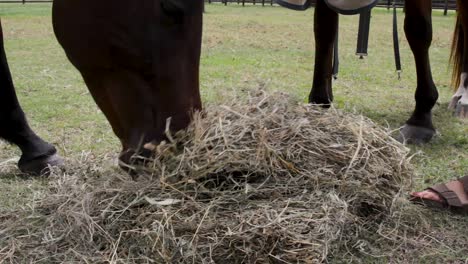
(415, 135)
(41, 165)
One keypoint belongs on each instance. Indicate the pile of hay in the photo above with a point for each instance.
(269, 180)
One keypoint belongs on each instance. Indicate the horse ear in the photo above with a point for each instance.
(181, 7)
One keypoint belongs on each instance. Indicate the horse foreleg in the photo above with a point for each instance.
(459, 58)
(37, 154)
(418, 29)
(325, 29)
(459, 102)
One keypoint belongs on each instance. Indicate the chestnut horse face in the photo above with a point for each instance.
(140, 61)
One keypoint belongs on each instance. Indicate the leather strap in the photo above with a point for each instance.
(464, 181)
(336, 58)
(449, 196)
(396, 44)
(363, 33)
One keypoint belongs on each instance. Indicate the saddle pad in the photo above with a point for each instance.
(300, 5)
(351, 7)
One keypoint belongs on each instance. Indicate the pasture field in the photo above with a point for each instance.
(245, 48)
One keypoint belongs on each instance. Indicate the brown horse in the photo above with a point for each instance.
(418, 29)
(140, 61)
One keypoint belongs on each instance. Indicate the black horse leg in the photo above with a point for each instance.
(418, 29)
(325, 29)
(36, 153)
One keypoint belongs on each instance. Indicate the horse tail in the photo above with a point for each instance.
(456, 54)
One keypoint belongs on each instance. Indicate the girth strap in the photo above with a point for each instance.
(363, 33)
(336, 59)
(362, 41)
(350, 7)
(396, 45)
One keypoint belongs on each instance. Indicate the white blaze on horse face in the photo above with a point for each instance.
(461, 95)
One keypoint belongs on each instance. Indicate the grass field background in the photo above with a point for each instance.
(243, 48)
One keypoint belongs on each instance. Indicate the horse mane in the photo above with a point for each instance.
(456, 54)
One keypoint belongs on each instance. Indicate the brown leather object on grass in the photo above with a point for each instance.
(451, 200)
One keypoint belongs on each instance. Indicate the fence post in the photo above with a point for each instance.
(445, 7)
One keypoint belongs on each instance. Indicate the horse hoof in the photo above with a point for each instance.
(454, 102)
(415, 135)
(40, 166)
(461, 111)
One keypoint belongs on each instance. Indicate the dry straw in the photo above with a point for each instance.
(259, 180)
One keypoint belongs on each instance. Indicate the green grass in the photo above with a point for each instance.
(242, 48)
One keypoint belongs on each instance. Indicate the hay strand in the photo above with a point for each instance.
(259, 180)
